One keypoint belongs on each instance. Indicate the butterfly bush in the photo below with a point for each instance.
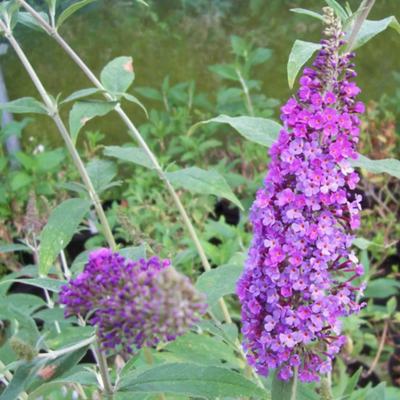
(298, 277)
(132, 303)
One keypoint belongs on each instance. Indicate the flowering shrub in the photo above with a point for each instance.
(291, 292)
(133, 303)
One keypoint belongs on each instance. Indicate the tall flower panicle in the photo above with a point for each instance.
(298, 277)
(133, 303)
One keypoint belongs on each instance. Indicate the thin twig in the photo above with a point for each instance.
(378, 354)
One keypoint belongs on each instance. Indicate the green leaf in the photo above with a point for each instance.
(194, 380)
(307, 12)
(53, 285)
(218, 282)
(300, 54)
(349, 389)
(83, 111)
(134, 253)
(20, 180)
(150, 93)
(362, 243)
(259, 56)
(70, 10)
(81, 94)
(8, 248)
(26, 323)
(24, 105)
(238, 45)
(258, 130)
(74, 186)
(382, 288)
(388, 165)
(133, 99)
(101, 172)
(378, 392)
(281, 390)
(17, 384)
(391, 305)
(199, 349)
(204, 182)
(118, 75)
(225, 71)
(59, 230)
(339, 10)
(27, 19)
(371, 28)
(135, 155)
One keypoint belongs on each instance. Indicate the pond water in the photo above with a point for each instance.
(181, 39)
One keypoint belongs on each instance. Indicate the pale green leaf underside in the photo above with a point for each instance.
(259, 130)
(194, 380)
(307, 12)
(388, 165)
(118, 75)
(24, 105)
(301, 52)
(59, 230)
(218, 282)
(204, 182)
(135, 155)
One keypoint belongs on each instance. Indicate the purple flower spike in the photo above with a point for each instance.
(302, 218)
(133, 303)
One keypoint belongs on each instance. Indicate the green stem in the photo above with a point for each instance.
(138, 137)
(246, 92)
(296, 373)
(365, 6)
(103, 368)
(53, 112)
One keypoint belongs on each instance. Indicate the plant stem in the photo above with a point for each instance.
(296, 373)
(51, 31)
(246, 92)
(52, 108)
(365, 6)
(150, 360)
(103, 367)
(58, 353)
(381, 344)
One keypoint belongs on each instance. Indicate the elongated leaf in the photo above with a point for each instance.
(118, 75)
(53, 285)
(300, 54)
(150, 93)
(27, 19)
(388, 165)
(281, 390)
(382, 288)
(17, 384)
(258, 130)
(225, 71)
(101, 173)
(83, 111)
(348, 390)
(74, 186)
(134, 253)
(339, 10)
(371, 28)
(218, 282)
(199, 349)
(59, 230)
(133, 99)
(204, 182)
(24, 105)
(135, 155)
(70, 10)
(362, 243)
(194, 380)
(378, 392)
(307, 12)
(80, 94)
(25, 322)
(14, 247)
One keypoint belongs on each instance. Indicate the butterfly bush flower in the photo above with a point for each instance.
(132, 303)
(298, 277)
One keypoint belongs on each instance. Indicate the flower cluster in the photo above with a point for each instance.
(132, 303)
(298, 275)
